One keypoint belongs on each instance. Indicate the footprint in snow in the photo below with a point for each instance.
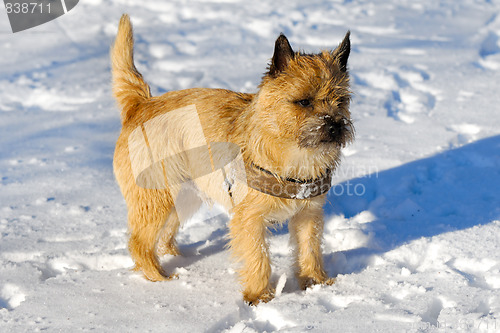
(11, 296)
(404, 89)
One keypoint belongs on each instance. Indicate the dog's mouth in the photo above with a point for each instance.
(326, 131)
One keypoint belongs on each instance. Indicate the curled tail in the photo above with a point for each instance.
(129, 88)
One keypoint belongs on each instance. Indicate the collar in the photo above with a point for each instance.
(270, 183)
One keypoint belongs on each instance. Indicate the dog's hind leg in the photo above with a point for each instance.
(167, 243)
(146, 220)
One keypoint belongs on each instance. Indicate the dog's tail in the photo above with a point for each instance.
(129, 88)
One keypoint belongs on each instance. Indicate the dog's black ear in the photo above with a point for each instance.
(341, 53)
(283, 53)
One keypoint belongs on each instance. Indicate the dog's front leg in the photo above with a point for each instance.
(306, 232)
(248, 244)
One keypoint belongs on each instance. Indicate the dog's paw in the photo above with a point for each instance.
(160, 277)
(308, 282)
(254, 299)
(155, 275)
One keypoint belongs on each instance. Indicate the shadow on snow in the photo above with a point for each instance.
(457, 189)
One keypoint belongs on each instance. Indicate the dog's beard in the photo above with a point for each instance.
(326, 131)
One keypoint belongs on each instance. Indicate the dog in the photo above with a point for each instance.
(266, 157)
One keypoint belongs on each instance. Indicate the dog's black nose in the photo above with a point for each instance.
(334, 128)
(337, 130)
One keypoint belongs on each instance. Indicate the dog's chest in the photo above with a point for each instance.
(285, 211)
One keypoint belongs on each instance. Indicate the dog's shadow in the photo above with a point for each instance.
(454, 190)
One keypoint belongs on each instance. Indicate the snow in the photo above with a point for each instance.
(412, 229)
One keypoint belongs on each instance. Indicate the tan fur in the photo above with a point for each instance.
(271, 129)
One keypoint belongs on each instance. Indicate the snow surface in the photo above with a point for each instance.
(413, 224)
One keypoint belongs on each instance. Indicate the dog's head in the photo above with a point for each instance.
(306, 97)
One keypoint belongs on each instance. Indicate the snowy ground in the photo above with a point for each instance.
(413, 224)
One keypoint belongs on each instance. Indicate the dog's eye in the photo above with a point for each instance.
(304, 103)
